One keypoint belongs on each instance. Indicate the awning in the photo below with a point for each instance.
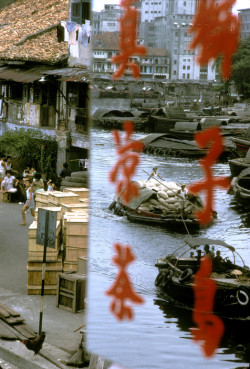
(70, 74)
(20, 75)
(24, 75)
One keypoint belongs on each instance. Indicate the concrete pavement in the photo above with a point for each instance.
(58, 324)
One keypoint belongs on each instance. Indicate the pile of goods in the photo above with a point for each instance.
(167, 199)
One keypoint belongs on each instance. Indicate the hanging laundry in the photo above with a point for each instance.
(88, 27)
(83, 37)
(72, 28)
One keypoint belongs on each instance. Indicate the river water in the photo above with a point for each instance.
(159, 336)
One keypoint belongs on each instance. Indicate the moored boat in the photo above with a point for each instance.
(239, 164)
(241, 188)
(175, 279)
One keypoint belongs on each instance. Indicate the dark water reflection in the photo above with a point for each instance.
(159, 337)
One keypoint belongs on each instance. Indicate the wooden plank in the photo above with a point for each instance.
(6, 333)
(9, 310)
(25, 330)
(13, 320)
(4, 313)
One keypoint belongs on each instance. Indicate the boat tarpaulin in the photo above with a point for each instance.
(197, 241)
(144, 195)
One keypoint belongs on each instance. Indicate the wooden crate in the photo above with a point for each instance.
(81, 191)
(71, 292)
(51, 275)
(48, 290)
(76, 226)
(82, 265)
(73, 253)
(41, 204)
(35, 251)
(57, 198)
(74, 207)
(58, 210)
(70, 266)
(75, 241)
(5, 197)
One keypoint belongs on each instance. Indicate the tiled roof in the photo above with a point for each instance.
(21, 25)
(106, 41)
(110, 41)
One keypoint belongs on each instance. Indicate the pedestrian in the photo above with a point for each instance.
(9, 183)
(65, 172)
(155, 174)
(51, 185)
(30, 203)
(2, 167)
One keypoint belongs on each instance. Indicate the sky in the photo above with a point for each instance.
(99, 4)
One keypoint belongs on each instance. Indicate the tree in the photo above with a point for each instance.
(31, 148)
(241, 69)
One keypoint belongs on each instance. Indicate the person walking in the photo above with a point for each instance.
(30, 203)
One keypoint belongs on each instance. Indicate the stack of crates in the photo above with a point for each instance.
(71, 238)
(35, 259)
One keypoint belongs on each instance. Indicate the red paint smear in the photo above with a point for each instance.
(216, 32)
(128, 41)
(122, 288)
(213, 139)
(210, 327)
(126, 164)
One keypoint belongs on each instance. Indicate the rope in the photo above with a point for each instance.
(185, 224)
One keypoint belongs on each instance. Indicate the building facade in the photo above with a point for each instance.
(244, 16)
(43, 81)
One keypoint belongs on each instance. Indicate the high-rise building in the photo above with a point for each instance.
(244, 15)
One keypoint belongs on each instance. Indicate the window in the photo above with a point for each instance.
(174, 72)
(16, 91)
(183, 75)
(184, 66)
(188, 67)
(80, 11)
(188, 76)
(175, 61)
(184, 3)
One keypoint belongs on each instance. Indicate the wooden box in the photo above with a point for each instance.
(75, 241)
(53, 208)
(5, 197)
(82, 265)
(53, 269)
(36, 251)
(73, 253)
(76, 226)
(48, 290)
(81, 191)
(70, 266)
(71, 292)
(57, 198)
(74, 207)
(42, 196)
(41, 204)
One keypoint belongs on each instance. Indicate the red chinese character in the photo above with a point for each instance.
(210, 327)
(216, 33)
(127, 163)
(122, 288)
(128, 36)
(210, 137)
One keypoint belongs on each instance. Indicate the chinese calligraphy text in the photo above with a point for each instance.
(210, 137)
(216, 32)
(122, 289)
(127, 163)
(210, 327)
(128, 44)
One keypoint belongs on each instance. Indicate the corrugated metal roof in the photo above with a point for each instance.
(25, 75)
(20, 75)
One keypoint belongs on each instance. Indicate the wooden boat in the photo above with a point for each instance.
(241, 188)
(176, 273)
(164, 119)
(243, 143)
(239, 164)
(113, 118)
(172, 219)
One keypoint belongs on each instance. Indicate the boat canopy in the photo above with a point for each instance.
(144, 195)
(197, 241)
(244, 173)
